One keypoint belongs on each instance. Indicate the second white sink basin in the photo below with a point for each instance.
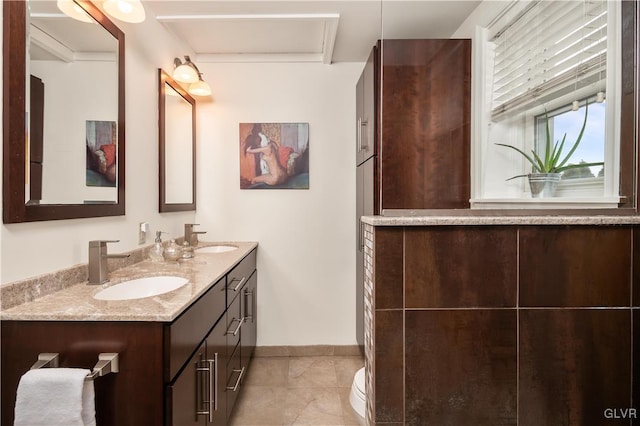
(216, 249)
(141, 287)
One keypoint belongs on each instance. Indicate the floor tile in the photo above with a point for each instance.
(297, 390)
(260, 405)
(268, 372)
(313, 406)
(305, 372)
(346, 367)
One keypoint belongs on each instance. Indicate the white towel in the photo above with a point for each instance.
(55, 396)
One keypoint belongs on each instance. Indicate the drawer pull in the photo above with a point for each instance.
(235, 332)
(210, 369)
(235, 387)
(239, 286)
(248, 293)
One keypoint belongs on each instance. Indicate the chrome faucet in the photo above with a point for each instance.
(98, 270)
(190, 235)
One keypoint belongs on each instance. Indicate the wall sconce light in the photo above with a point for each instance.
(188, 72)
(124, 10)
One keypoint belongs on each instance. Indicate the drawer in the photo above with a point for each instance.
(235, 376)
(235, 323)
(185, 334)
(239, 275)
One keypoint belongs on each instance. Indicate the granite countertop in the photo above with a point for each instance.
(470, 220)
(76, 303)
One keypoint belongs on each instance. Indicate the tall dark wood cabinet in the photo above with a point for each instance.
(413, 107)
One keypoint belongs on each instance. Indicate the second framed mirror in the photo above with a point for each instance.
(177, 144)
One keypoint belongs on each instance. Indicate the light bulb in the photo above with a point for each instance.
(200, 88)
(72, 10)
(600, 97)
(125, 10)
(575, 105)
(185, 74)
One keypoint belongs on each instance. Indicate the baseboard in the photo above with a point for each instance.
(310, 350)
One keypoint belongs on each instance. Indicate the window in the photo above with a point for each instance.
(537, 57)
(567, 121)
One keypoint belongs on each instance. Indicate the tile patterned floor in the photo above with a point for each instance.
(305, 390)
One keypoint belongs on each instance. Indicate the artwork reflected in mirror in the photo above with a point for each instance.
(274, 155)
(102, 164)
(176, 146)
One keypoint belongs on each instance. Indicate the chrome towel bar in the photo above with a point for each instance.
(107, 363)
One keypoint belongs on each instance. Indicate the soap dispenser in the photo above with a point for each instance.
(156, 252)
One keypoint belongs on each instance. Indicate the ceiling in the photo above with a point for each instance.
(259, 30)
(302, 31)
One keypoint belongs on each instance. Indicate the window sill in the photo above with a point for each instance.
(546, 203)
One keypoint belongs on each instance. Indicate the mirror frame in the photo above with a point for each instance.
(15, 209)
(164, 207)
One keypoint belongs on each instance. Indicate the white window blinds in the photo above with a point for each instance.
(550, 47)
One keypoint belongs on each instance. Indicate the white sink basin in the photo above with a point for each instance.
(141, 287)
(216, 249)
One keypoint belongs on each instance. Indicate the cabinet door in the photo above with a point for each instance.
(425, 128)
(369, 119)
(366, 111)
(359, 115)
(197, 396)
(217, 350)
(185, 398)
(248, 333)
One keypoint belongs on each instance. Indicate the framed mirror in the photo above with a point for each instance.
(63, 114)
(177, 143)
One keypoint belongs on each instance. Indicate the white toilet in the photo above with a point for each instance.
(357, 398)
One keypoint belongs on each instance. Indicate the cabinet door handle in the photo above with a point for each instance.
(235, 332)
(208, 368)
(213, 385)
(364, 146)
(239, 285)
(359, 134)
(360, 235)
(235, 387)
(248, 293)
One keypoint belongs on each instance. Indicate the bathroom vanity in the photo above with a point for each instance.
(496, 320)
(182, 355)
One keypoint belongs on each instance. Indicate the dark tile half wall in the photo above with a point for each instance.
(452, 267)
(574, 366)
(570, 266)
(461, 367)
(505, 325)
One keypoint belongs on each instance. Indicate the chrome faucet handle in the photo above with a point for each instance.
(101, 243)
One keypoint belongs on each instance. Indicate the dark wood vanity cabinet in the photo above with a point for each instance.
(197, 396)
(186, 372)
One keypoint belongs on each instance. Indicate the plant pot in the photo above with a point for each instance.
(543, 185)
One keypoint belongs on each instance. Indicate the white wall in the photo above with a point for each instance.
(31, 249)
(66, 89)
(306, 256)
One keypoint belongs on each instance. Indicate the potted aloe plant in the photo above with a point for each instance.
(546, 171)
